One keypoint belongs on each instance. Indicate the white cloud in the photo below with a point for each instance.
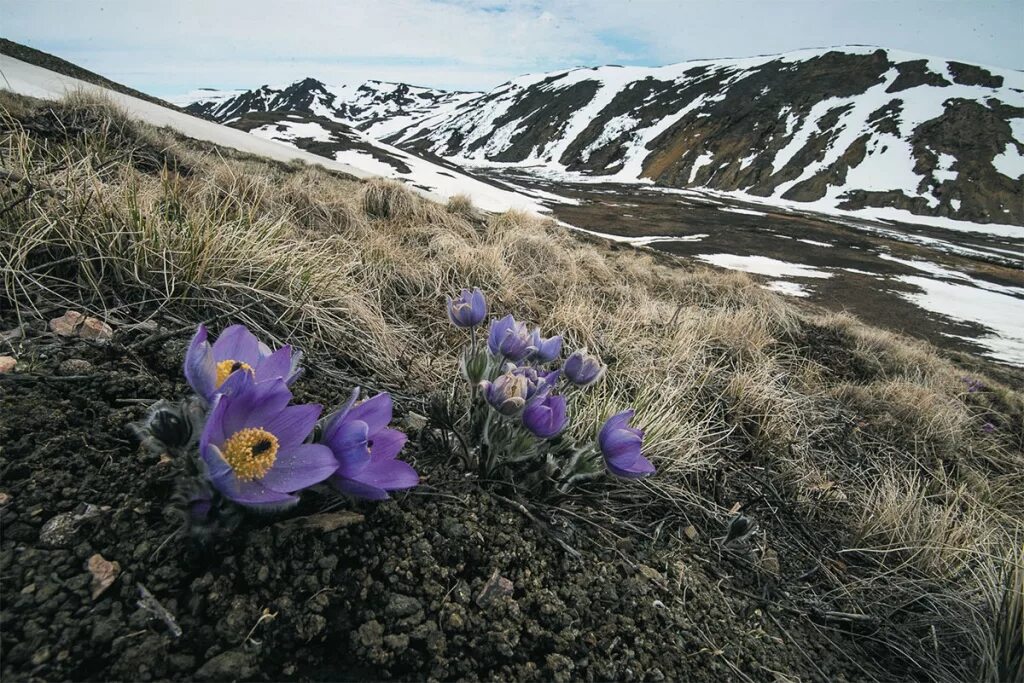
(176, 46)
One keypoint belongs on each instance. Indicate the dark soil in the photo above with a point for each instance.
(395, 595)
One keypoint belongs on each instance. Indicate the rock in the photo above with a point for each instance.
(74, 366)
(770, 562)
(5, 498)
(233, 665)
(74, 324)
(402, 606)
(59, 531)
(67, 325)
(413, 422)
(497, 586)
(96, 330)
(104, 573)
(7, 364)
(690, 532)
(328, 521)
(651, 574)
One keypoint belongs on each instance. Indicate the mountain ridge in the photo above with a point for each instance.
(850, 128)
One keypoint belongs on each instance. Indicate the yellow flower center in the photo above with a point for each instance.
(251, 453)
(226, 367)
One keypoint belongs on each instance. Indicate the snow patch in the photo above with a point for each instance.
(763, 265)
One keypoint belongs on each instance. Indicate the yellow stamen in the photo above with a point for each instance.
(251, 453)
(226, 367)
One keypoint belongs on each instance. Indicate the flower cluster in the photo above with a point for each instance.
(519, 404)
(252, 447)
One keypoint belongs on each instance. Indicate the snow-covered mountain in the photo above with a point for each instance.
(377, 107)
(847, 128)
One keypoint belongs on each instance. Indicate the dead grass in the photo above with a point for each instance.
(111, 215)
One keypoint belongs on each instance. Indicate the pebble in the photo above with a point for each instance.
(59, 531)
(496, 587)
(75, 324)
(74, 366)
(5, 498)
(67, 325)
(7, 364)
(104, 573)
(96, 330)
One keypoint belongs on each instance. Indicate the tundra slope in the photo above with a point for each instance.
(838, 128)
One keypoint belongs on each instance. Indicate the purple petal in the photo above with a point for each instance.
(349, 446)
(237, 343)
(641, 467)
(277, 364)
(617, 421)
(386, 444)
(389, 475)
(200, 368)
(375, 412)
(252, 404)
(291, 425)
(249, 492)
(621, 444)
(211, 441)
(357, 489)
(338, 417)
(299, 467)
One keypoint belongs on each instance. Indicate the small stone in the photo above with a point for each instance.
(651, 573)
(104, 573)
(496, 586)
(67, 325)
(5, 498)
(690, 531)
(770, 562)
(74, 366)
(7, 364)
(413, 422)
(233, 665)
(402, 606)
(96, 330)
(59, 531)
(29, 589)
(328, 521)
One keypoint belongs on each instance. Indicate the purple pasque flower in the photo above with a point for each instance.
(207, 367)
(510, 339)
(583, 368)
(546, 417)
(365, 449)
(547, 349)
(620, 445)
(516, 388)
(253, 444)
(468, 309)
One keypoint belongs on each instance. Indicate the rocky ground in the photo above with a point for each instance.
(451, 581)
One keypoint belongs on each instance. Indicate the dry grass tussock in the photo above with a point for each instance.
(105, 213)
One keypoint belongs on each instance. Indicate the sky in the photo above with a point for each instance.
(172, 47)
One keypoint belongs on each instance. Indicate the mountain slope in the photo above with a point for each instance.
(845, 128)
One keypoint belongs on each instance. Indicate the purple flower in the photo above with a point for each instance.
(253, 444)
(365, 449)
(510, 339)
(517, 388)
(547, 349)
(546, 418)
(582, 368)
(469, 309)
(620, 445)
(207, 367)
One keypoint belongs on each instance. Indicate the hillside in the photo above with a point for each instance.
(884, 478)
(847, 128)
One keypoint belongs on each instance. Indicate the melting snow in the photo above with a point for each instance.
(788, 288)
(762, 265)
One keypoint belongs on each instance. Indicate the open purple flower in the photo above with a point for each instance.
(620, 445)
(365, 449)
(510, 339)
(545, 418)
(516, 388)
(467, 310)
(253, 444)
(547, 349)
(237, 349)
(582, 368)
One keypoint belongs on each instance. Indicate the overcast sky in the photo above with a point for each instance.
(170, 47)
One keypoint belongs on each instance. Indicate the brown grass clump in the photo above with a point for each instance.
(743, 395)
